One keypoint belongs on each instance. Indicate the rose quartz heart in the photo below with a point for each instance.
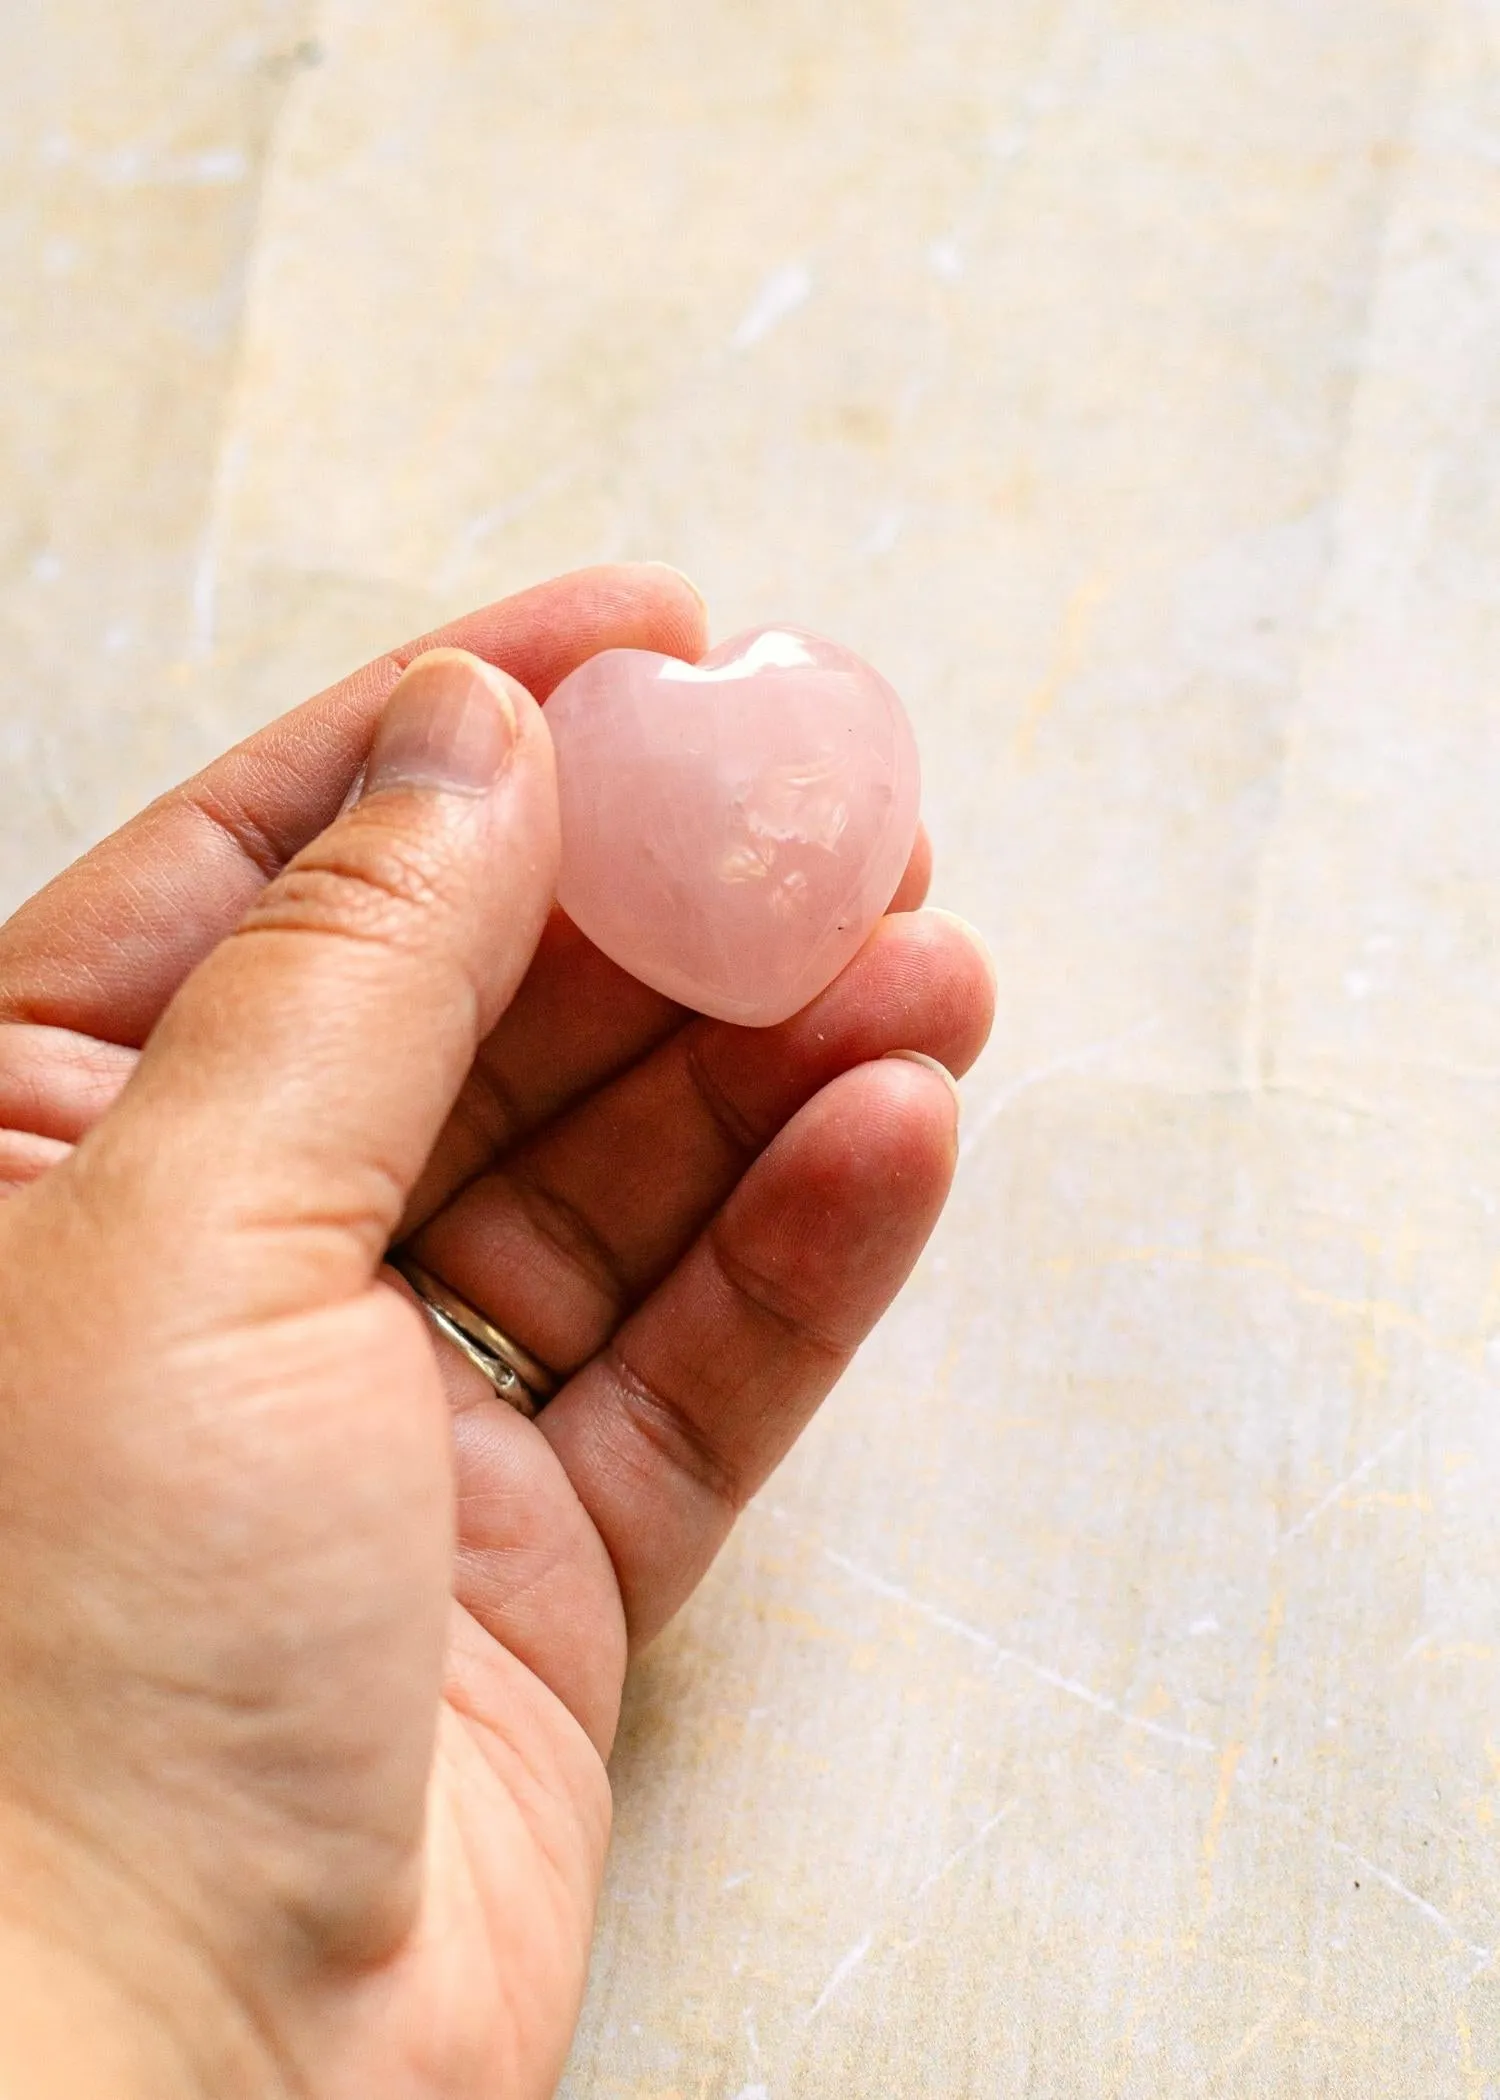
(733, 829)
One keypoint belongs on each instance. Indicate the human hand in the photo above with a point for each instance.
(311, 1652)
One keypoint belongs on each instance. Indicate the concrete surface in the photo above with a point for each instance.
(1104, 1700)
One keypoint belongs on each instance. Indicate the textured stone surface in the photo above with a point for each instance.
(732, 830)
(1102, 1702)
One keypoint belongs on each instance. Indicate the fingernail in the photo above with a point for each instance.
(450, 723)
(973, 936)
(687, 581)
(920, 1057)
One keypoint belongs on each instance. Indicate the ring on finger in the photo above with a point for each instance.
(517, 1377)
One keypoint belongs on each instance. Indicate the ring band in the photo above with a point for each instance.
(518, 1378)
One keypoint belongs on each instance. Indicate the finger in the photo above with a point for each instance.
(283, 1108)
(56, 1084)
(24, 1158)
(103, 948)
(704, 1390)
(911, 891)
(559, 1242)
(528, 1560)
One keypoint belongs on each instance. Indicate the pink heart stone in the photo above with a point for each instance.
(733, 829)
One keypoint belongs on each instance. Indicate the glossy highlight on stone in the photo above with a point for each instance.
(732, 830)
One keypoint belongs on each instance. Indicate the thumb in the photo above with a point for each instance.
(292, 1091)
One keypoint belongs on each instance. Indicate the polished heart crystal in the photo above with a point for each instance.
(733, 829)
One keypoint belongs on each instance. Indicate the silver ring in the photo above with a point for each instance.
(518, 1378)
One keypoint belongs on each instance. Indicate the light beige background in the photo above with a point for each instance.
(1104, 1701)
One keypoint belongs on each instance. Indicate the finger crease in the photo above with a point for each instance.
(287, 920)
(672, 1434)
(265, 854)
(394, 912)
(395, 877)
(731, 1123)
(572, 1235)
(491, 1107)
(771, 1300)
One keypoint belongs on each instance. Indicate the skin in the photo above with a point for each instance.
(311, 1652)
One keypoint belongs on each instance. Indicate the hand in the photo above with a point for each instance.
(311, 1651)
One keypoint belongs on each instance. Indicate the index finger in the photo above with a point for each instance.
(103, 948)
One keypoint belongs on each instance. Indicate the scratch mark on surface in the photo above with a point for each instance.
(843, 1970)
(970, 1845)
(1075, 1689)
(1428, 1910)
(783, 292)
(1365, 1467)
(1072, 1687)
(1070, 1061)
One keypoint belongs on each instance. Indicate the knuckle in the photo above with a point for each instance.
(670, 1432)
(785, 1303)
(733, 1125)
(579, 1245)
(238, 827)
(379, 889)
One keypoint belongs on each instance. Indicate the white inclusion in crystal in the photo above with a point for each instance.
(789, 896)
(793, 806)
(743, 864)
(782, 293)
(801, 805)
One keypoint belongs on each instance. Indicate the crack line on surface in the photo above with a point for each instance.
(1430, 1911)
(1071, 1687)
(1365, 1467)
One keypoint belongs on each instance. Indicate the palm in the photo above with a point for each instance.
(695, 1223)
(483, 1997)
